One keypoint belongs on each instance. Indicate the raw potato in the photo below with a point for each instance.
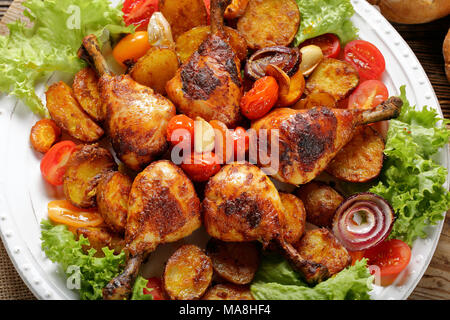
(112, 199)
(85, 90)
(320, 246)
(228, 291)
(268, 23)
(295, 215)
(188, 273)
(413, 11)
(446, 51)
(156, 68)
(336, 77)
(316, 99)
(85, 168)
(183, 15)
(188, 42)
(236, 262)
(100, 238)
(361, 159)
(68, 114)
(321, 202)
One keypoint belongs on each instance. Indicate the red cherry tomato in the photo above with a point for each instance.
(201, 166)
(368, 94)
(241, 142)
(366, 58)
(179, 129)
(54, 162)
(391, 256)
(356, 255)
(329, 43)
(260, 99)
(132, 47)
(139, 12)
(155, 288)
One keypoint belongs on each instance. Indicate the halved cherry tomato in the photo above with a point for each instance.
(356, 255)
(366, 58)
(139, 12)
(131, 47)
(201, 166)
(368, 94)
(54, 162)
(179, 129)
(260, 99)
(155, 288)
(44, 134)
(391, 256)
(63, 212)
(329, 43)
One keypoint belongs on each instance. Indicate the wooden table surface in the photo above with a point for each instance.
(426, 42)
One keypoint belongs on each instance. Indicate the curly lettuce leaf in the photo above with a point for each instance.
(138, 290)
(27, 55)
(60, 246)
(325, 16)
(276, 280)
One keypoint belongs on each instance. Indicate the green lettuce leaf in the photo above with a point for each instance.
(27, 55)
(325, 16)
(60, 246)
(276, 280)
(138, 290)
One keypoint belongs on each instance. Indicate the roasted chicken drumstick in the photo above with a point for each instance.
(163, 207)
(136, 116)
(209, 85)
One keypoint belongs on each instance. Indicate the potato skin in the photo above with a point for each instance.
(228, 291)
(112, 199)
(188, 273)
(236, 262)
(268, 23)
(85, 168)
(361, 159)
(100, 238)
(295, 215)
(68, 114)
(320, 246)
(321, 202)
(336, 77)
(85, 90)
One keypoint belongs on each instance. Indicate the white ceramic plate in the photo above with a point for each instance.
(24, 194)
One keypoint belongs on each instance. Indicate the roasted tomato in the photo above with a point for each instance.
(139, 12)
(63, 212)
(260, 99)
(366, 58)
(131, 47)
(54, 163)
(180, 130)
(44, 134)
(329, 43)
(201, 166)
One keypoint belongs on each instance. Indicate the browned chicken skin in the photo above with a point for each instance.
(136, 117)
(309, 139)
(163, 207)
(209, 85)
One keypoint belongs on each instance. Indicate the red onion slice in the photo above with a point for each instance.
(363, 221)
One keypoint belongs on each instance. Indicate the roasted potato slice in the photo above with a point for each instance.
(228, 291)
(188, 273)
(320, 246)
(68, 115)
(336, 77)
(316, 99)
(188, 42)
(236, 262)
(85, 90)
(84, 170)
(112, 199)
(361, 159)
(44, 134)
(155, 68)
(183, 15)
(295, 215)
(268, 23)
(100, 238)
(321, 202)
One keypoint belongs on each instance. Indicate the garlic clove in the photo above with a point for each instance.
(204, 136)
(312, 55)
(159, 31)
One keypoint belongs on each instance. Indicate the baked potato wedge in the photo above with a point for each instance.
(236, 262)
(187, 274)
(228, 291)
(321, 246)
(85, 168)
(321, 202)
(268, 23)
(100, 238)
(336, 77)
(155, 68)
(112, 199)
(183, 15)
(68, 114)
(361, 159)
(295, 217)
(85, 90)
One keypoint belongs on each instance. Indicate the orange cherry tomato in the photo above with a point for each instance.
(54, 162)
(180, 130)
(155, 288)
(44, 134)
(260, 99)
(132, 47)
(63, 212)
(201, 166)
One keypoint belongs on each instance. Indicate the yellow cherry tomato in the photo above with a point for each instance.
(132, 47)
